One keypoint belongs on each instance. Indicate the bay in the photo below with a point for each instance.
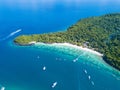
(21, 68)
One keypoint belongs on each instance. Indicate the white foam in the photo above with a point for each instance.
(77, 47)
(54, 84)
(82, 48)
(32, 42)
(2, 88)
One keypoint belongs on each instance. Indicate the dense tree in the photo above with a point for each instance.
(101, 33)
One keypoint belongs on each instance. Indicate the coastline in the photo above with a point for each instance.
(90, 34)
(80, 48)
(75, 46)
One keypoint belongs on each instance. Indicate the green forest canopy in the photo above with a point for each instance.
(101, 33)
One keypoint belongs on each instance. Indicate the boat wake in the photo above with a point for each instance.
(11, 34)
(76, 59)
(92, 83)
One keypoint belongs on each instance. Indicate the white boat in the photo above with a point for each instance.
(54, 84)
(89, 77)
(75, 60)
(44, 68)
(85, 71)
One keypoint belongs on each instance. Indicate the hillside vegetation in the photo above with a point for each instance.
(101, 33)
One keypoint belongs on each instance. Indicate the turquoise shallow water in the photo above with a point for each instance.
(61, 68)
(21, 68)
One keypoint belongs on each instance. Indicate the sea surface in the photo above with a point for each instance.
(51, 67)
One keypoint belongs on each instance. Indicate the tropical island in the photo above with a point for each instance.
(101, 33)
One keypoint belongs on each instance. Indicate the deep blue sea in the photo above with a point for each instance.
(49, 67)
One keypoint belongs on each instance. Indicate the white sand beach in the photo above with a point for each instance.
(77, 47)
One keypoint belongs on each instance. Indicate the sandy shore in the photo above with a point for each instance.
(77, 47)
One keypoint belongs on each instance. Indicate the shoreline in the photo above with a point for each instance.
(75, 46)
(89, 34)
(80, 48)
